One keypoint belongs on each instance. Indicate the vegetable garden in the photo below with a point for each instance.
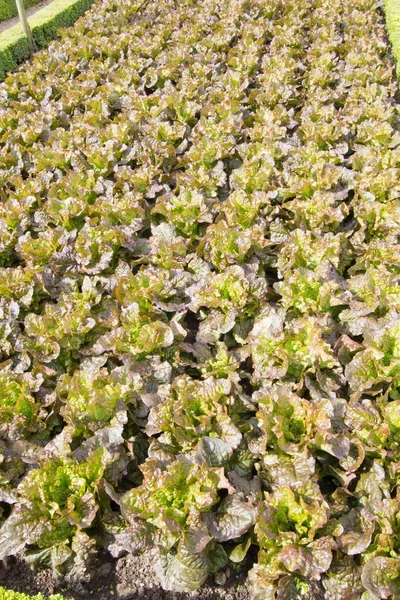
(199, 297)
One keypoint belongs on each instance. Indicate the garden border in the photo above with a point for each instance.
(392, 10)
(44, 24)
(8, 8)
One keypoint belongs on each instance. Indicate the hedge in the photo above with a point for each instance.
(392, 9)
(11, 595)
(45, 23)
(8, 8)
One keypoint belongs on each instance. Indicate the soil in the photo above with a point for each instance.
(126, 578)
(29, 12)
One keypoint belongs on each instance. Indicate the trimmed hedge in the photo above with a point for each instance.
(45, 23)
(392, 9)
(11, 595)
(8, 8)
(13, 50)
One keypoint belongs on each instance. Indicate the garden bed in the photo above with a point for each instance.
(200, 304)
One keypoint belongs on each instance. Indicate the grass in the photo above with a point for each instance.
(392, 9)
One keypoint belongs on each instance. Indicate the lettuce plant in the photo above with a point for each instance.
(199, 307)
(55, 504)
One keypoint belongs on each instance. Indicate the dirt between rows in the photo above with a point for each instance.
(126, 578)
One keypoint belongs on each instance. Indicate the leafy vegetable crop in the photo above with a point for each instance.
(199, 299)
(10, 595)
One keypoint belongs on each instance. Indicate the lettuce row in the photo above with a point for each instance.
(198, 297)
